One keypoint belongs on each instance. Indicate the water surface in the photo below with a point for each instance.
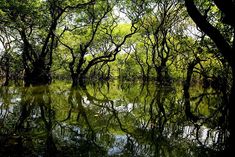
(110, 119)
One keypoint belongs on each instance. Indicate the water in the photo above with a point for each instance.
(110, 119)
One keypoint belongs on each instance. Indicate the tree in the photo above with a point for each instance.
(5, 55)
(97, 39)
(158, 31)
(225, 44)
(36, 23)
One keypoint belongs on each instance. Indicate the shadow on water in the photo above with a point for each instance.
(112, 119)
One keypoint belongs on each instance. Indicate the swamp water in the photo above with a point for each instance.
(110, 119)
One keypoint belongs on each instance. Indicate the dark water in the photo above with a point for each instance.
(115, 119)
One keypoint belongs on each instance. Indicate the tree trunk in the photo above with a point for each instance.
(7, 73)
(187, 83)
(37, 78)
(81, 81)
(159, 74)
(162, 73)
(225, 48)
(78, 80)
(74, 80)
(38, 75)
(231, 115)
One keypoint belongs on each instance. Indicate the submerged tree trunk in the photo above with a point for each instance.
(162, 73)
(74, 80)
(187, 83)
(37, 77)
(39, 74)
(78, 80)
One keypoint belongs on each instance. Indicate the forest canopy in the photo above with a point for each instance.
(107, 39)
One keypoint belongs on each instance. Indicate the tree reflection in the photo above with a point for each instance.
(9, 141)
(87, 140)
(210, 129)
(32, 123)
(112, 120)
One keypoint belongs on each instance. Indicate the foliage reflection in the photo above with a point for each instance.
(111, 119)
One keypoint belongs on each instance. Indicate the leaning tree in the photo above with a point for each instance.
(216, 19)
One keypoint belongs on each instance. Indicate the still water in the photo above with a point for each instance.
(111, 119)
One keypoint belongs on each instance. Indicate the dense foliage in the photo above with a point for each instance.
(142, 40)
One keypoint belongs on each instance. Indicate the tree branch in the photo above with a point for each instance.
(210, 30)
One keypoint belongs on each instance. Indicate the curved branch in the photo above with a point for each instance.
(210, 30)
